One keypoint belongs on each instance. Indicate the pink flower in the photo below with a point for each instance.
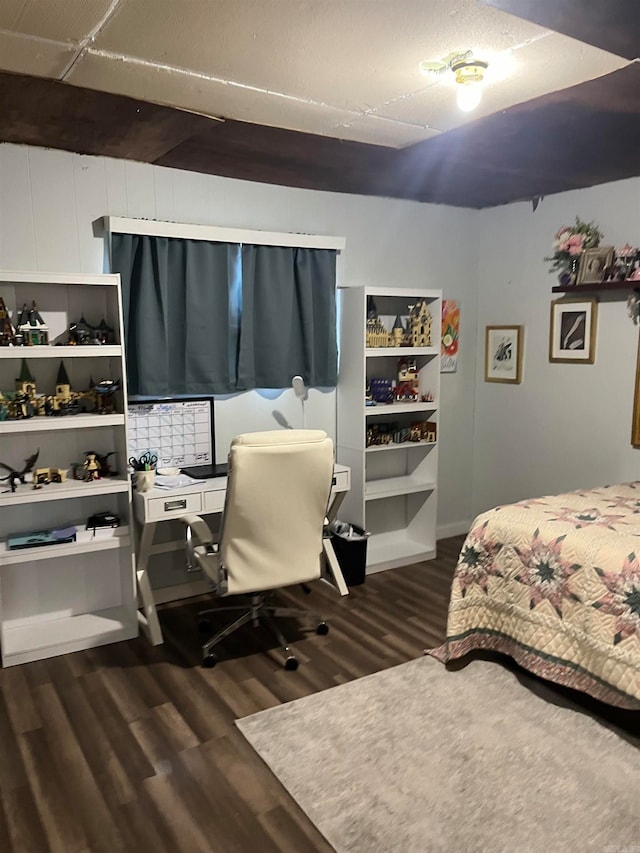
(573, 245)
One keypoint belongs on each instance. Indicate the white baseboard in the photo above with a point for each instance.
(456, 528)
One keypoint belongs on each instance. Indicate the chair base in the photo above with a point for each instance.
(260, 611)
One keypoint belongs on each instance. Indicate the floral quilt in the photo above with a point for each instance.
(555, 584)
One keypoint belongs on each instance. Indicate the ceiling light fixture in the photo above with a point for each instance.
(468, 73)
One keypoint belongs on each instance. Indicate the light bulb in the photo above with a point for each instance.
(468, 96)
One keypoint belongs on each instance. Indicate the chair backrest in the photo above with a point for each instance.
(278, 490)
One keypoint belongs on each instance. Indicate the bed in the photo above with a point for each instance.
(555, 584)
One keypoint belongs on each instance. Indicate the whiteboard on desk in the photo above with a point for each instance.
(179, 432)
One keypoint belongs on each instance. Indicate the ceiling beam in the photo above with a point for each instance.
(611, 25)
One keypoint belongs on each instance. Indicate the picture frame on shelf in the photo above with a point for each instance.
(572, 333)
(504, 347)
(594, 264)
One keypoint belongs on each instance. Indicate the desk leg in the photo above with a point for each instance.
(335, 505)
(331, 561)
(334, 567)
(149, 617)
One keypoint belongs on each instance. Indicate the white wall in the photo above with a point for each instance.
(49, 199)
(566, 426)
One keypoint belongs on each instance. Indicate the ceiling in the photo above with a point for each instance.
(327, 94)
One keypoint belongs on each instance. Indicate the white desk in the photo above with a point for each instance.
(207, 498)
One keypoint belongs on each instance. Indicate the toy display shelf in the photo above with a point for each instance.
(72, 595)
(26, 494)
(104, 539)
(399, 352)
(404, 445)
(44, 423)
(107, 350)
(399, 408)
(393, 488)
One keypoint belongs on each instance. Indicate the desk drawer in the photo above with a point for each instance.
(340, 481)
(173, 506)
(214, 500)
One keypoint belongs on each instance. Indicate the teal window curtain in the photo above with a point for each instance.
(217, 318)
(181, 301)
(288, 324)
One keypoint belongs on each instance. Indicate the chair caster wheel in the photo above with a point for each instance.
(322, 628)
(209, 661)
(291, 663)
(205, 626)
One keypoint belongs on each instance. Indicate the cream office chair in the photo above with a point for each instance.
(278, 491)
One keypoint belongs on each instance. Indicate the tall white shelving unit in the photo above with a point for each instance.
(56, 599)
(393, 486)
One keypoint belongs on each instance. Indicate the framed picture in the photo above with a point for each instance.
(503, 354)
(635, 424)
(572, 335)
(593, 264)
(450, 336)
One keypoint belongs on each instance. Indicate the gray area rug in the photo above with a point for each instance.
(417, 758)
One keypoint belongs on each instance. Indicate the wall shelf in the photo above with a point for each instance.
(105, 351)
(71, 489)
(615, 288)
(399, 408)
(45, 423)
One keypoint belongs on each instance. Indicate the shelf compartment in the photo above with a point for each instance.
(26, 640)
(391, 550)
(104, 540)
(399, 408)
(390, 487)
(405, 445)
(25, 494)
(106, 351)
(399, 352)
(47, 423)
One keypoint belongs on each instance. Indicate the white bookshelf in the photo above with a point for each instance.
(393, 486)
(61, 598)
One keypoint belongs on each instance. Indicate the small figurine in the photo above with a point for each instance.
(81, 333)
(91, 466)
(104, 333)
(7, 332)
(421, 320)
(16, 476)
(105, 466)
(406, 389)
(32, 327)
(105, 391)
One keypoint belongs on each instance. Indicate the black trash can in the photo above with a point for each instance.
(350, 545)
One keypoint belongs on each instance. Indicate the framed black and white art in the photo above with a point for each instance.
(572, 336)
(503, 354)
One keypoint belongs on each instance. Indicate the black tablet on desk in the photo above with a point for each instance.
(206, 472)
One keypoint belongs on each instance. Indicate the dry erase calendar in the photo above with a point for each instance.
(179, 432)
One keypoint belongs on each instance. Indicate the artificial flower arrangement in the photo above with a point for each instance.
(569, 243)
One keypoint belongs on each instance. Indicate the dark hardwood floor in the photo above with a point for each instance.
(129, 747)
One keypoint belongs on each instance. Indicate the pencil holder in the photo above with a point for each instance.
(145, 480)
